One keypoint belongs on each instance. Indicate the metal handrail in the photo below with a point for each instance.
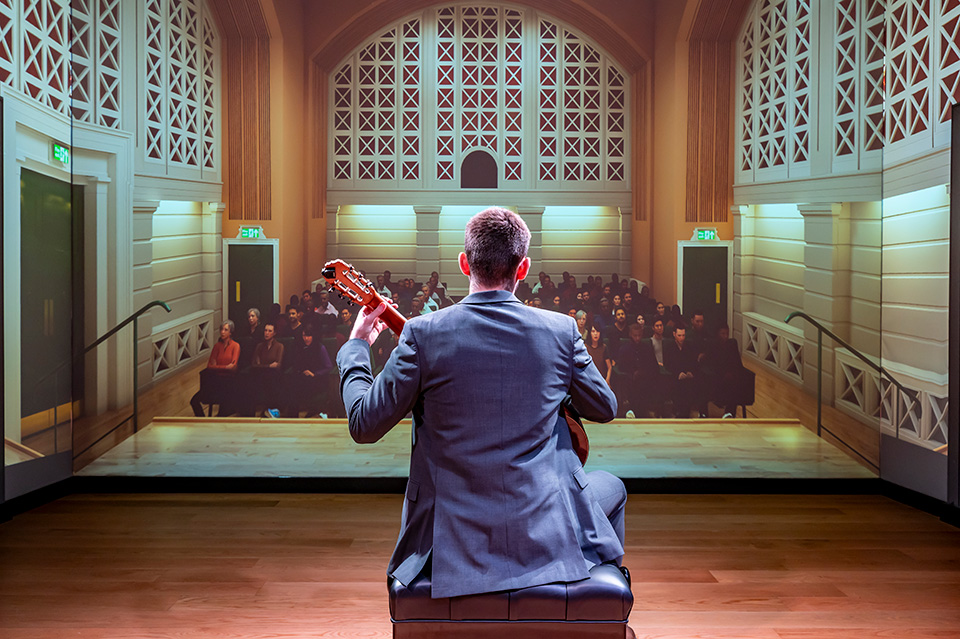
(136, 386)
(821, 329)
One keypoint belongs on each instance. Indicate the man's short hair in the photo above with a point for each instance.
(271, 325)
(495, 242)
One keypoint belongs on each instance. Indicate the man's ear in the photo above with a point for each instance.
(464, 267)
(523, 269)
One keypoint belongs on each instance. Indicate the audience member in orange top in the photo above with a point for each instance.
(215, 379)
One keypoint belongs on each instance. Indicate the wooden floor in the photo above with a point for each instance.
(769, 444)
(231, 447)
(253, 566)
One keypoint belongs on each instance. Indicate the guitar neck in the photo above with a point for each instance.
(391, 316)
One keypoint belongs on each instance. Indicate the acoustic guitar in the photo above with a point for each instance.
(350, 284)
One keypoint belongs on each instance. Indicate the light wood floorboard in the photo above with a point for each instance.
(246, 566)
(188, 447)
(771, 443)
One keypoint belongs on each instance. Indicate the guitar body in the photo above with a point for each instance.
(351, 284)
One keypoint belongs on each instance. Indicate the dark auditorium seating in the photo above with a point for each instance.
(597, 607)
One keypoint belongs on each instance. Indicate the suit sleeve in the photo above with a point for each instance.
(374, 406)
(589, 392)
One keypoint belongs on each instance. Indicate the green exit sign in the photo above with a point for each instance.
(707, 234)
(61, 154)
(251, 232)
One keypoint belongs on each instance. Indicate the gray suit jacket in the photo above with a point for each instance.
(496, 493)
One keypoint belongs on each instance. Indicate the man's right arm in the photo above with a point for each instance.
(589, 392)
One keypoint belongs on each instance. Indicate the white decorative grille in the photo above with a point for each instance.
(183, 83)
(180, 84)
(82, 57)
(775, 346)
(173, 348)
(155, 122)
(908, 72)
(846, 67)
(478, 56)
(800, 62)
(871, 90)
(772, 69)
(377, 109)
(45, 54)
(8, 47)
(919, 417)
(747, 121)
(95, 61)
(208, 79)
(947, 55)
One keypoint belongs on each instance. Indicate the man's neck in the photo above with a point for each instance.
(476, 287)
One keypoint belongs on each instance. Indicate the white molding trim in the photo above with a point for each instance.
(480, 197)
(225, 269)
(728, 244)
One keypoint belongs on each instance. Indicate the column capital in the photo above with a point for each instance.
(145, 207)
(819, 209)
(626, 212)
(427, 209)
(530, 210)
(331, 210)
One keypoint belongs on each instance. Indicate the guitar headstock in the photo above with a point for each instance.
(349, 282)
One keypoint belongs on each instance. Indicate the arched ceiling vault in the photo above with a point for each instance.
(631, 50)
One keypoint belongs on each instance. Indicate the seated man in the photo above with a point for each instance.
(307, 378)
(681, 360)
(725, 376)
(497, 498)
(217, 379)
(640, 374)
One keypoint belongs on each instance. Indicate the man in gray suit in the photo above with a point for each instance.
(497, 498)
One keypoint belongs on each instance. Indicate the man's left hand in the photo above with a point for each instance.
(369, 325)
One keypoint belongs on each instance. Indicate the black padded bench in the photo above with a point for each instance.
(595, 608)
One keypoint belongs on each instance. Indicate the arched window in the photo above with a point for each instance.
(538, 97)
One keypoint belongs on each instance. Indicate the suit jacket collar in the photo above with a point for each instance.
(490, 297)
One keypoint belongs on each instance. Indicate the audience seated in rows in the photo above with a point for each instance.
(656, 360)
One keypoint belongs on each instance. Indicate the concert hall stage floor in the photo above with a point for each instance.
(642, 449)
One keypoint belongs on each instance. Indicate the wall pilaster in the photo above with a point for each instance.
(743, 267)
(428, 241)
(533, 216)
(826, 282)
(143, 212)
(626, 241)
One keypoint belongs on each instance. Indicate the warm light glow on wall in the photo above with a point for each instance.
(922, 200)
(176, 207)
(777, 211)
(380, 219)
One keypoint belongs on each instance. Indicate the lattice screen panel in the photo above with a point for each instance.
(948, 67)
(800, 61)
(476, 59)
(377, 99)
(180, 84)
(8, 47)
(747, 102)
(95, 61)
(45, 53)
(859, 41)
(908, 72)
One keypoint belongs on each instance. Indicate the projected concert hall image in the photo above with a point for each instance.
(443, 279)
